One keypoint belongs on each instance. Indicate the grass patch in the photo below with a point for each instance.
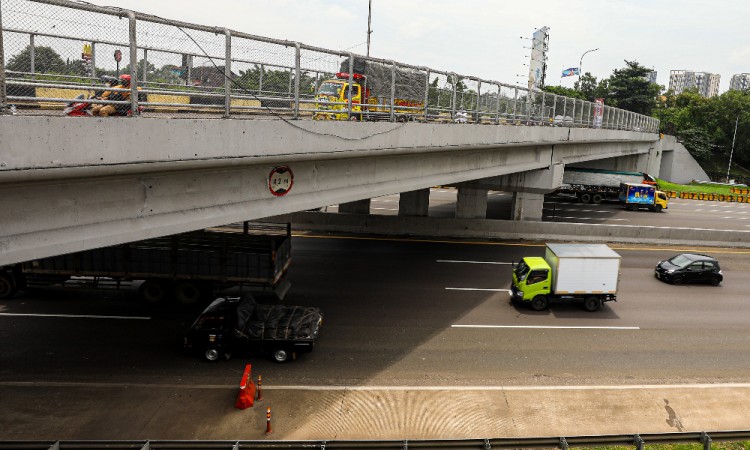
(694, 188)
(726, 445)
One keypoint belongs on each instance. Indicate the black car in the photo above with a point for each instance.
(689, 268)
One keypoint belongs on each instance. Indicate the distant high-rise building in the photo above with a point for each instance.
(706, 83)
(740, 82)
(651, 76)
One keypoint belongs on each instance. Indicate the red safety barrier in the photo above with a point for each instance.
(246, 396)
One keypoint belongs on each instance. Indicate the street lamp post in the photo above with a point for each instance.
(736, 122)
(369, 17)
(580, 63)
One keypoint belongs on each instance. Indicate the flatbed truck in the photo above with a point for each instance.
(188, 267)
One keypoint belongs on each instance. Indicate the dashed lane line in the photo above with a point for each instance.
(548, 327)
(75, 316)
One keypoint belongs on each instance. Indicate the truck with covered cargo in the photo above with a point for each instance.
(242, 325)
(597, 185)
(636, 196)
(586, 273)
(188, 267)
(371, 95)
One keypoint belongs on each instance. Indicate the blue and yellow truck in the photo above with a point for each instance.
(636, 195)
(585, 273)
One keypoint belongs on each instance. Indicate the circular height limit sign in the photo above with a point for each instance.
(280, 180)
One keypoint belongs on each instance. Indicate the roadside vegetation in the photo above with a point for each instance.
(712, 129)
(698, 188)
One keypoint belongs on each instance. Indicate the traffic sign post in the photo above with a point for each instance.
(118, 58)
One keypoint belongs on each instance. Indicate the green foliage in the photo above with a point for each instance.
(566, 92)
(706, 126)
(46, 60)
(629, 89)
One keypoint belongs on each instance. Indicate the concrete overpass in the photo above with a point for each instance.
(69, 184)
(216, 148)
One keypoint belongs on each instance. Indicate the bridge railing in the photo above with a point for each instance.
(56, 50)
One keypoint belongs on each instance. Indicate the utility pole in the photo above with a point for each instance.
(369, 19)
(736, 122)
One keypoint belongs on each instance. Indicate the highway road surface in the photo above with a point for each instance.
(399, 315)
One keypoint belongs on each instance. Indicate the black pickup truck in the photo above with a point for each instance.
(234, 324)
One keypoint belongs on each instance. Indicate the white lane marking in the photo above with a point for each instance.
(385, 209)
(386, 388)
(476, 289)
(587, 218)
(471, 262)
(580, 210)
(550, 327)
(75, 316)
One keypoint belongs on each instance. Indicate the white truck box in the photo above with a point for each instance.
(583, 268)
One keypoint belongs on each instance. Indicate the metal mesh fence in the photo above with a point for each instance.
(60, 55)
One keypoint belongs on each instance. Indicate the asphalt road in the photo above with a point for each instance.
(416, 315)
(681, 212)
(404, 313)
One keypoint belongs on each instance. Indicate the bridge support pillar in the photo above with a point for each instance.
(357, 207)
(471, 203)
(527, 206)
(528, 190)
(414, 203)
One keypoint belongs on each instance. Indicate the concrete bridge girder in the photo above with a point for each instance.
(66, 185)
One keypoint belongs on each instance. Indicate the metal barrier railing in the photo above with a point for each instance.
(637, 441)
(54, 51)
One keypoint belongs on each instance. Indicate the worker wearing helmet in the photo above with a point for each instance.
(105, 110)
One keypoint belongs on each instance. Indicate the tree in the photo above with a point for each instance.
(564, 91)
(46, 60)
(629, 89)
(587, 87)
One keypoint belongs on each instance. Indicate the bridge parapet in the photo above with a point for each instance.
(187, 70)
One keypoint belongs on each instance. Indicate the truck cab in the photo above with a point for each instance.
(332, 101)
(531, 277)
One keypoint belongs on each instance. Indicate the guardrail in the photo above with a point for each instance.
(55, 50)
(638, 441)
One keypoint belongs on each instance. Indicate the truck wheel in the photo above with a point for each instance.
(585, 198)
(7, 286)
(188, 293)
(280, 355)
(212, 354)
(596, 199)
(657, 208)
(539, 303)
(592, 304)
(152, 291)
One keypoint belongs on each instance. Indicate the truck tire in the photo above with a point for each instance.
(539, 303)
(7, 286)
(585, 197)
(657, 208)
(188, 292)
(212, 354)
(597, 198)
(592, 304)
(153, 291)
(281, 355)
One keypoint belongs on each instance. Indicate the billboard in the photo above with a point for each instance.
(538, 62)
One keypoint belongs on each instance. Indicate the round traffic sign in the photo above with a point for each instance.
(280, 180)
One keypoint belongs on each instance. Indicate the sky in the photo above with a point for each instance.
(491, 39)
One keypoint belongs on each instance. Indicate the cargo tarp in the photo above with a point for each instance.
(258, 321)
(410, 83)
